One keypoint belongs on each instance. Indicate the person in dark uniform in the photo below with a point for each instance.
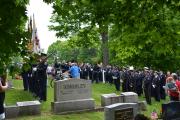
(156, 86)
(96, 71)
(42, 78)
(147, 83)
(139, 82)
(108, 74)
(116, 78)
(3, 87)
(25, 75)
(162, 83)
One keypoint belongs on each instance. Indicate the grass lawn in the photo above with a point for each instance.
(17, 94)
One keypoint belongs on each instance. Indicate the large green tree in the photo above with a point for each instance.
(68, 50)
(152, 40)
(136, 26)
(12, 28)
(73, 16)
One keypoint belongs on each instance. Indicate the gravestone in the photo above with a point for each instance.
(29, 107)
(142, 105)
(10, 84)
(109, 99)
(171, 111)
(121, 111)
(11, 111)
(72, 95)
(130, 97)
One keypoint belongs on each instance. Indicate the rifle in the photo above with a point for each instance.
(43, 60)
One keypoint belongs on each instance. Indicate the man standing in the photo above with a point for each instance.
(74, 70)
(42, 78)
(147, 86)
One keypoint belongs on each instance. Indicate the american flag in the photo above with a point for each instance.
(35, 40)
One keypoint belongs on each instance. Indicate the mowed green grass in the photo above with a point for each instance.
(17, 94)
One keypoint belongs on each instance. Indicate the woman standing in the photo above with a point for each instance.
(3, 87)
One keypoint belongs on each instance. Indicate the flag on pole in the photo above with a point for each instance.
(35, 40)
(30, 45)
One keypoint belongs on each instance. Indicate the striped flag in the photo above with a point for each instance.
(35, 40)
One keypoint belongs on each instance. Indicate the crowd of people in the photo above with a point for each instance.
(145, 82)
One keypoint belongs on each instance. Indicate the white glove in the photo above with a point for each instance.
(34, 69)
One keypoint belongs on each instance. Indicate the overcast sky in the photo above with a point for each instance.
(42, 13)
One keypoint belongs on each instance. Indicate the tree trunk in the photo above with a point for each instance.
(105, 49)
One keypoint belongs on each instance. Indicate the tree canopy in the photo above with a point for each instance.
(138, 32)
(12, 28)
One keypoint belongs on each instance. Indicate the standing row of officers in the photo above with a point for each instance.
(146, 81)
(35, 77)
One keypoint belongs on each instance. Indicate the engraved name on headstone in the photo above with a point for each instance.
(72, 95)
(73, 89)
(124, 114)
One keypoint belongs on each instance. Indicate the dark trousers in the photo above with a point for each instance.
(2, 97)
(139, 90)
(162, 93)
(95, 77)
(25, 81)
(43, 89)
(124, 85)
(117, 84)
(147, 92)
(157, 93)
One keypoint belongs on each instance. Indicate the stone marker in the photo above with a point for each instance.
(29, 107)
(142, 105)
(130, 97)
(109, 99)
(171, 111)
(72, 95)
(11, 111)
(121, 111)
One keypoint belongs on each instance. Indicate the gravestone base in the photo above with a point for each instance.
(72, 105)
(109, 99)
(29, 107)
(11, 111)
(121, 111)
(130, 97)
(142, 105)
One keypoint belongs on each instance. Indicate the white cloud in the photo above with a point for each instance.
(42, 13)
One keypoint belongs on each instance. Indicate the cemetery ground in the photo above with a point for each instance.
(18, 95)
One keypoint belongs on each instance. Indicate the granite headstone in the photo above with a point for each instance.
(171, 111)
(72, 95)
(29, 107)
(121, 111)
(109, 99)
(130, 97)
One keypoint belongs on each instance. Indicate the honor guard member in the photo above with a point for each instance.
(156, 86)
(96, 71)
(116, 78)
(131, 79)
(42, 77)
(162, 83)
(139, 82)
(125, 83)
(25, 74)
(147, 83)
(33, 82)
(108, 75)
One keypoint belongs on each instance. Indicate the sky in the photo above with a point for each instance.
(42, 13)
